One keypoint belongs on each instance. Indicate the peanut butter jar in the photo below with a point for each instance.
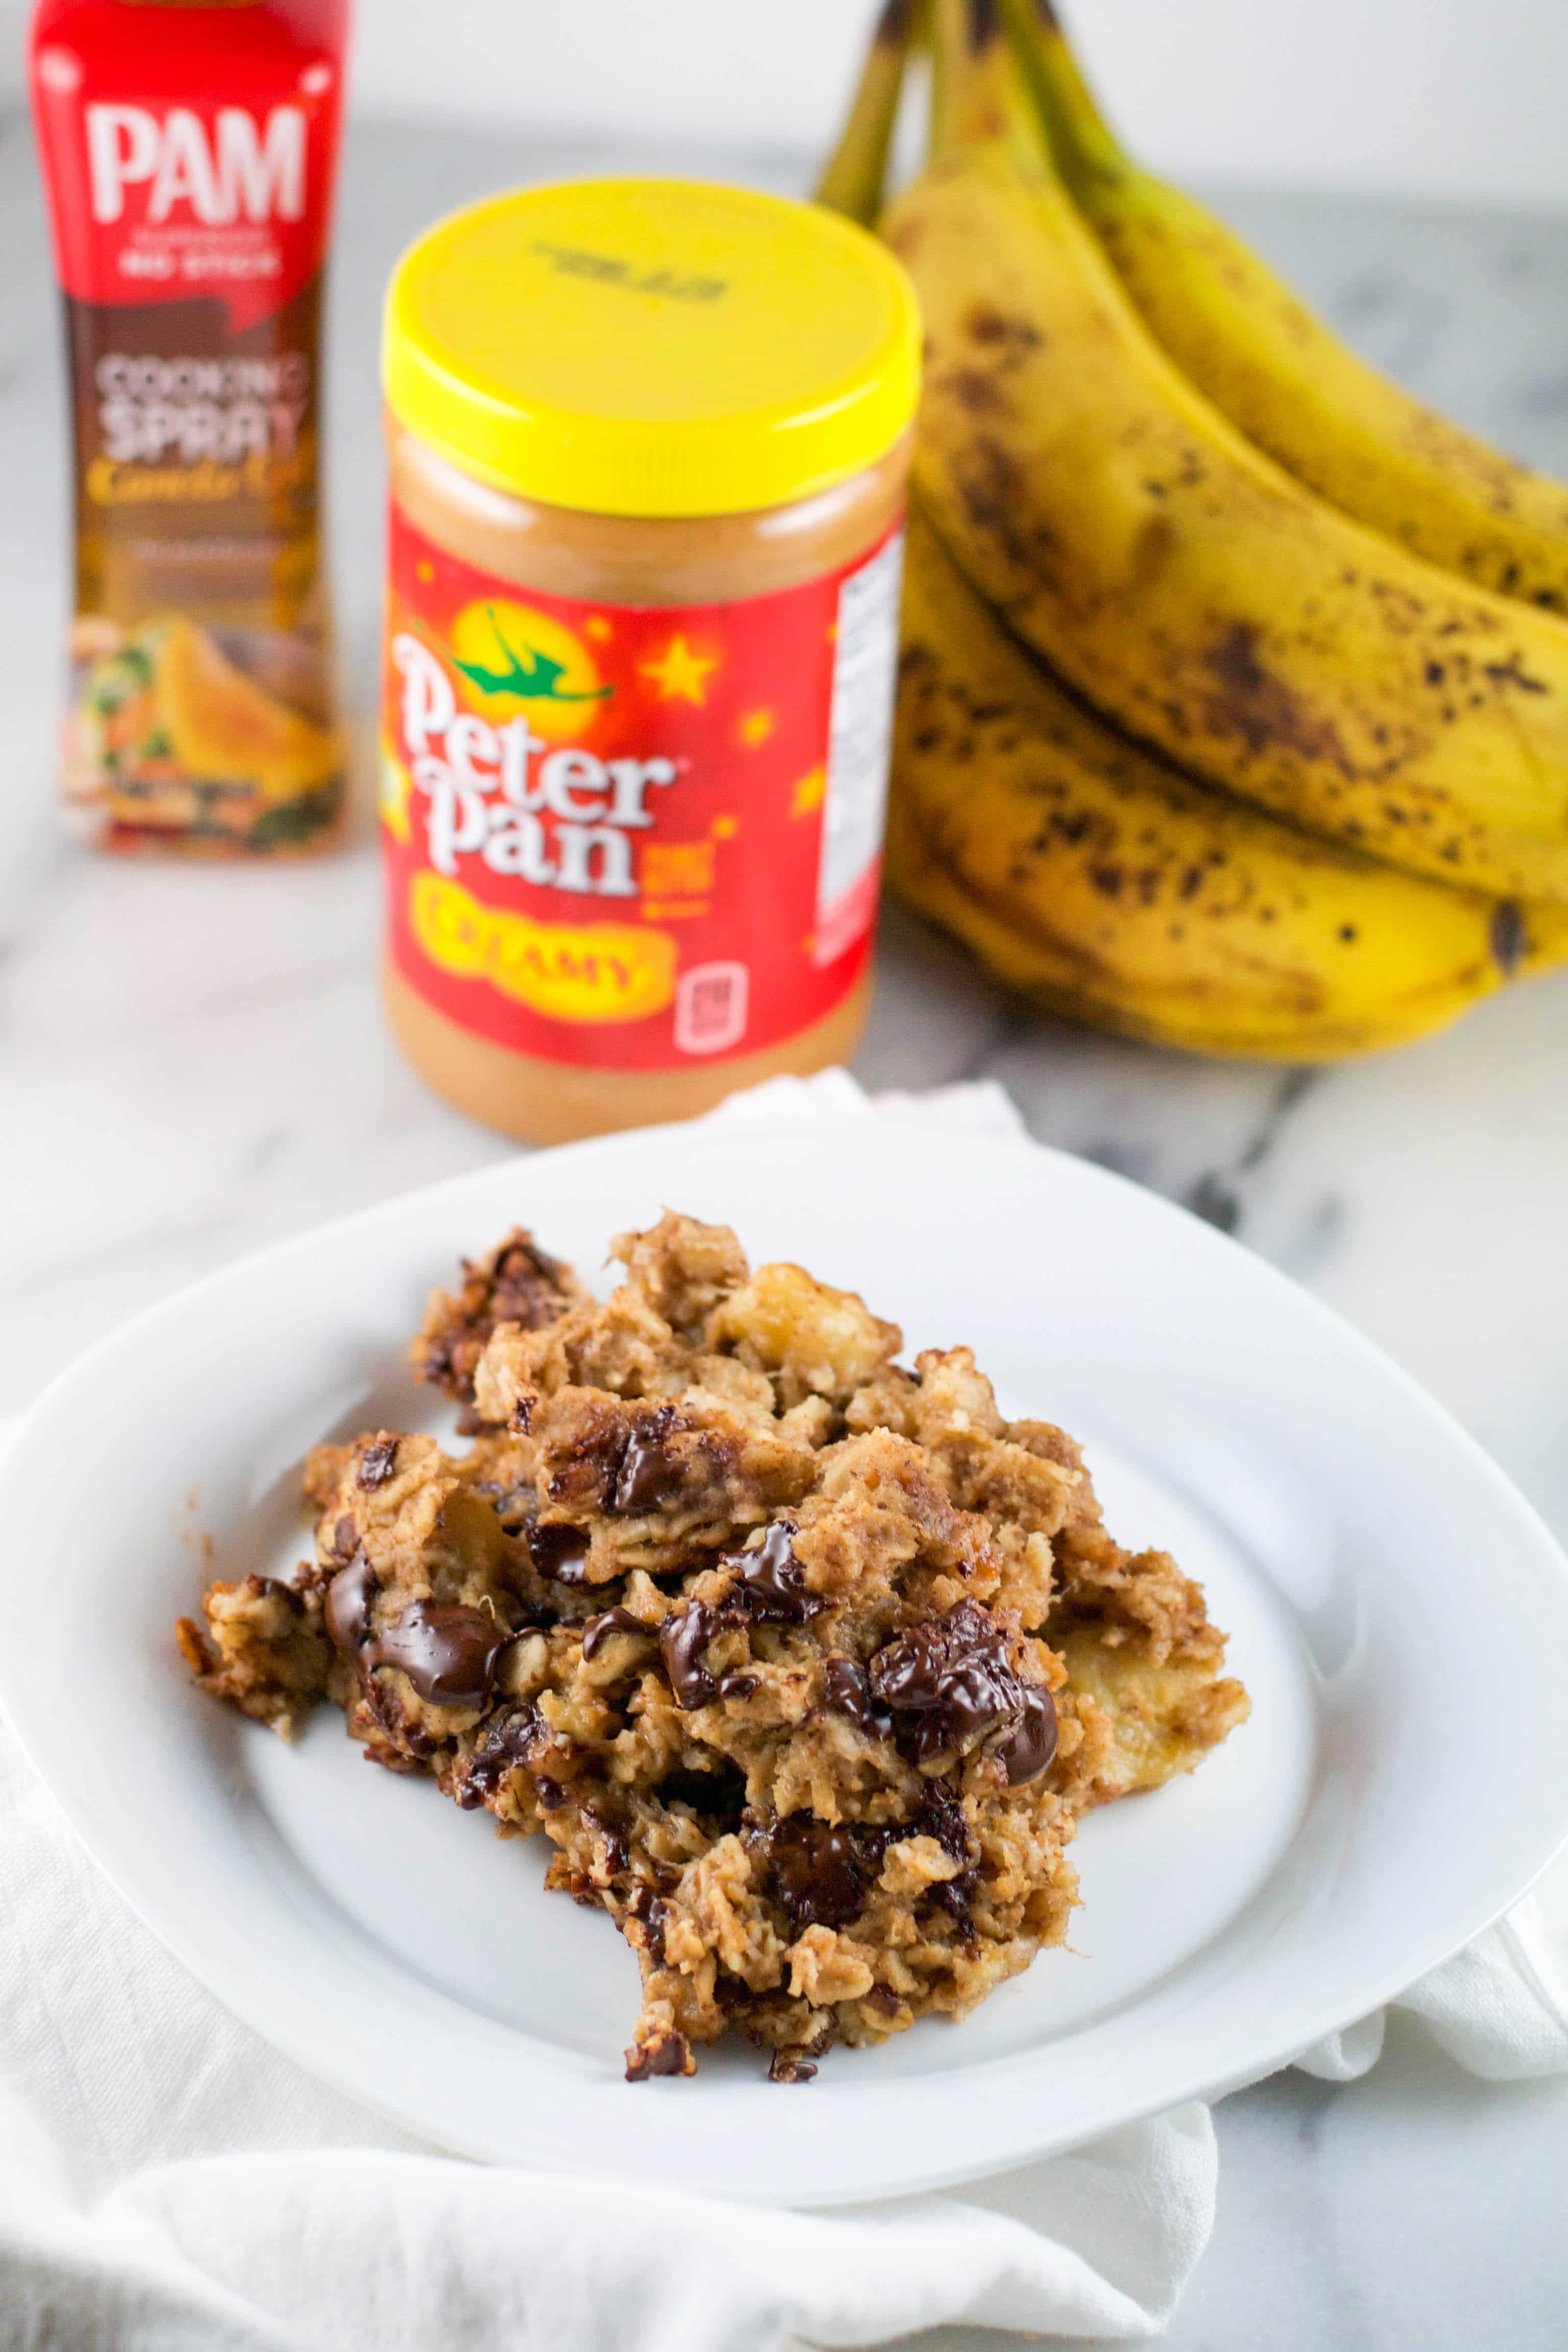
(649, 444)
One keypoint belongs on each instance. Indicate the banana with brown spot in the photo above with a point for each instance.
(1276, 371)
(1173, 574)
(1096, 879)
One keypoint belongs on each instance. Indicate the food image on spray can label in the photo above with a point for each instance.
(189, 154)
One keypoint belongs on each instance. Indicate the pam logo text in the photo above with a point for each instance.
(235, 169)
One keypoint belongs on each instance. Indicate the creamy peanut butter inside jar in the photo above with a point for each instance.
(649, 446)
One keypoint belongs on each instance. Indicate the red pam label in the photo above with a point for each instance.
(628, 837)
(189, 151)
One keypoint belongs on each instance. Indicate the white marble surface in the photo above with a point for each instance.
(192, 1064)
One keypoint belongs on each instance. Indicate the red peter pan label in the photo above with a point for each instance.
(631, 837)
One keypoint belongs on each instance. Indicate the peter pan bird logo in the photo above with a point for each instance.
(512, 654)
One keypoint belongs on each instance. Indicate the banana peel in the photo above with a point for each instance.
(1096, 879)
(1279, 372)
(1173, 575)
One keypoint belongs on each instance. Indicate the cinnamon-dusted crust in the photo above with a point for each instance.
(805, 1664)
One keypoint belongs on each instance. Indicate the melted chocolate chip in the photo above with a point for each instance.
(846, 1691)
(941, 1815)
(529, 1286)
(1026, 1752)
(345, 1537)
(447, 1654)
(783, 2066)
(347, 1607)
(617, 1852)
(409, 1749)
(682, 1638)
(822, 1871)
(738, 1686)
(648, 1907)
(559, 1551)
(667, 2053)
(954, 1896)
(551, 1794)
(437, 1360)
(378, 1462)
(772, 1584)
(719, 1796)
(597, 1629)
(516, 1283)
(505, 1742)
(646, 1473)
(522, 1414)
(949, 1679)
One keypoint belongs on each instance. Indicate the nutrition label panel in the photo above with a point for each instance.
(864, 675)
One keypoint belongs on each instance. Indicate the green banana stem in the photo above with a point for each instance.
(978, 93)
(1085, 146)
(852, 178)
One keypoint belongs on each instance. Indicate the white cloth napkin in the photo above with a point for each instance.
(169, 2183)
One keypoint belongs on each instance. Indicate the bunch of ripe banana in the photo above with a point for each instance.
(1234, 710)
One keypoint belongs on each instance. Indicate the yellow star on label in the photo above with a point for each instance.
(599, 629)
(679, 674)
(809, 792)
(755, 728)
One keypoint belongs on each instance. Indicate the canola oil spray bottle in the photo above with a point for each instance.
(189, 149)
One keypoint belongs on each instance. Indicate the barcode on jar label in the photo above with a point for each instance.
(864, 675)
(710, 1008)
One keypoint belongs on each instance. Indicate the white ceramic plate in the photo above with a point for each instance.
(1399, 1615)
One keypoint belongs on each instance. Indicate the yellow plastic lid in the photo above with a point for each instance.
(652, 347)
